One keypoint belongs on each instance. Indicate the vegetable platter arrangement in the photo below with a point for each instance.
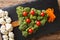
(30, 19)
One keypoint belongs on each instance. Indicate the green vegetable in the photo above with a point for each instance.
(43, 21)
(26, 17)
(21, 19)
(35, 27)
(19, 11)
(32, 23)
(33, 9)
(27, 9)
(29, 27)
(39, 17)
(34, 17)
(31, 17)
(22, 27)
(25, 33)
(38, 12)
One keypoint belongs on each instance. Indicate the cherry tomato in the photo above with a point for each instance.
(30, 30)
(32, 12)
(28, 20)
(38, 23)
(42, 14)
(24, 13)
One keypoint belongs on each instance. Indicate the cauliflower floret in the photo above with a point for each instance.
(5, 37)
(2, 13)
(2, 21)
(2, 27)
(9, 27)
(11, 35)
(5, 17)
(8, 20)
(11, 39)
(4, 31)
(6, 13)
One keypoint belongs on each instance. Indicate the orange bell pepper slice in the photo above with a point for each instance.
(15, 23)
(51, 14)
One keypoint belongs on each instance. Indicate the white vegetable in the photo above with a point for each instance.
(9, 27)
(5, 37)
(11, 39)
(3, 27)
(2, 13)
(8, 20)
(6, 13)
(2, 21)
(4, 31)
(6, 27)
(5, 17)
(11, 35)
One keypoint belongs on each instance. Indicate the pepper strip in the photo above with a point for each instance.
(15, 23)
(51, 14)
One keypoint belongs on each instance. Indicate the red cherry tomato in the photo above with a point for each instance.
(30, 30)
(28, 20)
(38, 23)
(24, 13)
(42, 14)
(32, 12)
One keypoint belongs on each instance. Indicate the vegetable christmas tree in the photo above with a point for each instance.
(31, 19)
